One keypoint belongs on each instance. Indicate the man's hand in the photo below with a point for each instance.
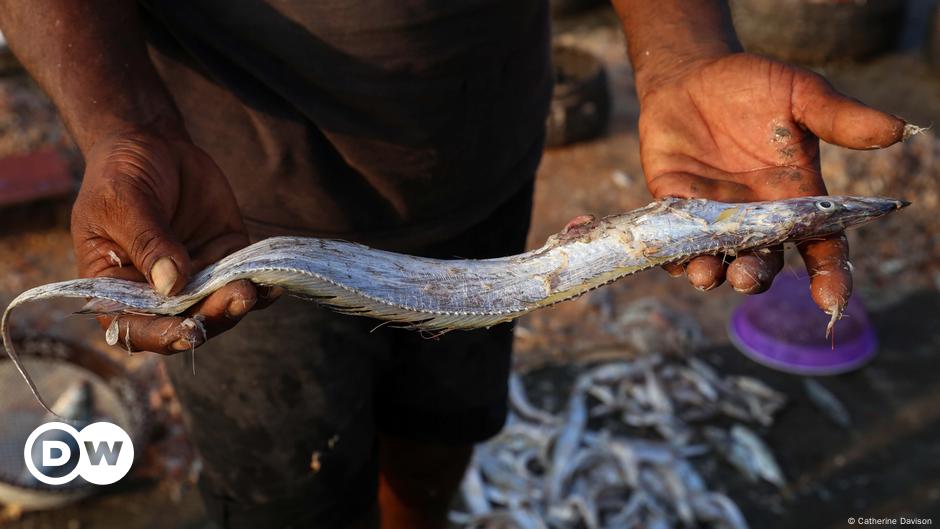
(153, 206)
(730, 126)
(743, 128)
(155, 209)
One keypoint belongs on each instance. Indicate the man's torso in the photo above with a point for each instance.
(374, 120)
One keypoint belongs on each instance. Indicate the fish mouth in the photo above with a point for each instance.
(862, 210)
(887, 205)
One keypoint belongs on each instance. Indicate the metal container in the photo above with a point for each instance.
(818, 31)
(59, 368)
(580, 107)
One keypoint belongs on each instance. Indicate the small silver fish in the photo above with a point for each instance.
(473, 491)
(567, 442)
(763, 461)
(76, 406)
(521, 404)
(567, 474)
(827, 402)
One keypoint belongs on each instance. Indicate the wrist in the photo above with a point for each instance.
(148, 118)
(667, 68)
(94, 65)
(668, 38)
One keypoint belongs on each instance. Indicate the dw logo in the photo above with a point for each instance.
(56, 453)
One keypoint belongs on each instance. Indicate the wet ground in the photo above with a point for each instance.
(887, 463)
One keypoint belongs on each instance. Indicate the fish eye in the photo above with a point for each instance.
(824, 205)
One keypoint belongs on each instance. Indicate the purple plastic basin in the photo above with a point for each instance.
(784, 329)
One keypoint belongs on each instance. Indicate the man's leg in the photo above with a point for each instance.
(280, 409)
(436, 397)
(418, 481)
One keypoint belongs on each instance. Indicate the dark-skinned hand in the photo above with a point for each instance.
(744, 128)
(157, 210)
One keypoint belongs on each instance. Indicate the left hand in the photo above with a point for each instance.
(744, 128)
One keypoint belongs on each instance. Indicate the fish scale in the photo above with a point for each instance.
(440, 295)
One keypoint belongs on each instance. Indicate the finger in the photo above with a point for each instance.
(841, 120)
(706, 272)
(151, 246)
(674, 269)
(101, 257)
(708, 183)
(140, 229)
(225, 307)
(754, 272)
(770, 183)
(827, 262)
(138, 247)
(159, 334)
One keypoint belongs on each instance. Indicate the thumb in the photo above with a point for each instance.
(154, 250)
(840, 120)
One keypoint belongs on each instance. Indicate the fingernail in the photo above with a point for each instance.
(238, 308)
(181, 345)
(707, 288)
(163, 274)
(675, 271)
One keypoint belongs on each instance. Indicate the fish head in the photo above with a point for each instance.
(826, 215)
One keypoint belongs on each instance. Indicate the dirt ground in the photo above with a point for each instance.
(886, 464)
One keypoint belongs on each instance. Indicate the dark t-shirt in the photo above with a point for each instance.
(394, 122)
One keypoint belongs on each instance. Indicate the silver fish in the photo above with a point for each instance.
(762, 459)
(473, 491)
(718, 509)
(76, 406)
(659, 400)
(515, 519)
(76, 403)
(521, 404)
(567, 443)
(572, 475)
(436, 294)
(827, 403)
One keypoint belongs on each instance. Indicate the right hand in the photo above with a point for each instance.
(744, 128)
(157, 209)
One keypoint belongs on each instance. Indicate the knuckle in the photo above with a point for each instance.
(660, 186)
(157, 334)
(94, 266)
(810, 81)
(245, 291)
(104, 320)
(145, 246)
(132, 155)
(90, 255)
(166, 331)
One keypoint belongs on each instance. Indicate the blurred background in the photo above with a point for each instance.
(861, 444)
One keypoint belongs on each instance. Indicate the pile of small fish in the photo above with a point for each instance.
(622, 452)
